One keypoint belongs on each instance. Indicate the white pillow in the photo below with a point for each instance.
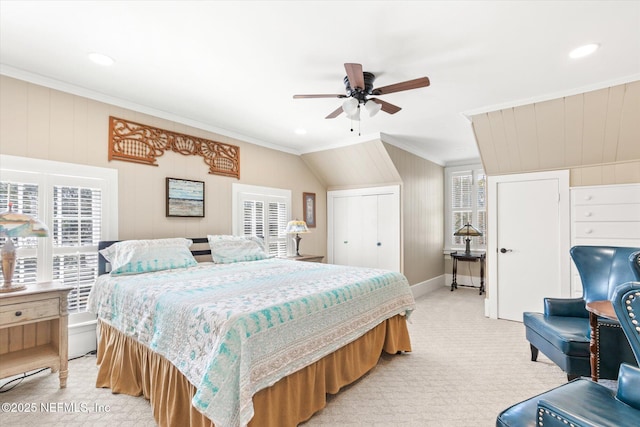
(142, 256)
(227, 249)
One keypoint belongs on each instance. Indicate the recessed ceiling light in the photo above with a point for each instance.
(101, 59)
(300, 131)
(585, 50)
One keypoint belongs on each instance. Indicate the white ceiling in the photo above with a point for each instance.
(233, 67)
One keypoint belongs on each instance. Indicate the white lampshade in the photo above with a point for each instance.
(372, 107)
(355, 115)
(350, 106)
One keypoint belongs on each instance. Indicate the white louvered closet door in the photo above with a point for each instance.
(364, 227)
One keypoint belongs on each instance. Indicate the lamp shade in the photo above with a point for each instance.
(350, 106)
(296, 226)
(468, 230)
(372, 107)
(14, 224)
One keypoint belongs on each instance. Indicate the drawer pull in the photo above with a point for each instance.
(587, 197)
(587, 214)
(588, 231)
(18, 313)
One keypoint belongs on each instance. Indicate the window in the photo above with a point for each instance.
(466, 195)
(77, 225)
(262, 212)
(79, 205)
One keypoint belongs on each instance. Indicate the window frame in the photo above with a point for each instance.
(450, 172)
(241, 192)
(47, 174)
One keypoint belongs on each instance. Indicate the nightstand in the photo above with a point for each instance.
(33, 330)
(307, 258)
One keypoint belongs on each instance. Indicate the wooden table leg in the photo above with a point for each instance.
(593, 345)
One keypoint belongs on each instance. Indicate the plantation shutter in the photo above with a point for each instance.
(264, 213)
(253, 218)
(24, 198)
(468, 204)
(481, 206)
(461, 203)
(277, 243)
(77, 219)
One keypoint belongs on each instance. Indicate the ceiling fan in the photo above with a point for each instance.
(359, 89)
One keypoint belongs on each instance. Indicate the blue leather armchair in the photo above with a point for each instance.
(562, 332)
(583, 403)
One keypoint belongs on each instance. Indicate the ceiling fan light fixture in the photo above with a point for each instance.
(355, 116)
(350, 106)
(372, 107)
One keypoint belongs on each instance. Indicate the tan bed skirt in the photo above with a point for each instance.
(129, 367)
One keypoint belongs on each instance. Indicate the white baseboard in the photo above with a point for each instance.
(423, 288)
(82, 338)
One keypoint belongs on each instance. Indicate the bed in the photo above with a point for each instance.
(243, 340)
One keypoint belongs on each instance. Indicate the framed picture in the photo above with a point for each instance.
(185, 198)
(309, 209)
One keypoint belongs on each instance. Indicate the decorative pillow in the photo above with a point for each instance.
(142, 256)
(228, 249)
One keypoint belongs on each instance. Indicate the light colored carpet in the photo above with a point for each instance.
(464, 369)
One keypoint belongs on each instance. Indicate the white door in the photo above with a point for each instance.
(347, 231)
(531, 242)
(364, 227)
(388, 239)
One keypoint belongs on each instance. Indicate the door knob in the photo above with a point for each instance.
(504, 251)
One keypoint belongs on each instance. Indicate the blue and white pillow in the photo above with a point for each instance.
(143, 256)
(228, 249)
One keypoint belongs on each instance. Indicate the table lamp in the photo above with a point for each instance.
(14, 224)
(296, 227)
(468, 231)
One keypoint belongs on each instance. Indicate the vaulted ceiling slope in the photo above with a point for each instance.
(588, 129)
(232, 67)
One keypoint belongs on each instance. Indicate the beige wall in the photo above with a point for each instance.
(422, 214)
(48, 124)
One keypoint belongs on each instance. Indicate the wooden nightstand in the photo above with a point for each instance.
(33, 330)
(307, 258)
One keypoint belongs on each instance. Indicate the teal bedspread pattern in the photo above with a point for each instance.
(235, 329)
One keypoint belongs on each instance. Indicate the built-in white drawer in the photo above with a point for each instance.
(612, 230)
(604, 194)
(614, 212)
(14, 314)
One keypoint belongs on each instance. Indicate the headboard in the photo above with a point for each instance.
(102, 262)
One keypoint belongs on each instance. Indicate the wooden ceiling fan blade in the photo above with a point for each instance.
(319, 96)
(386, 107)
(355, 75)
(334, 113)
(398, 87)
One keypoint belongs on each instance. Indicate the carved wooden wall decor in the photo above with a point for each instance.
(138, 143)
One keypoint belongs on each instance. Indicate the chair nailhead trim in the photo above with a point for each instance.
(542, 411)
(632, 315)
